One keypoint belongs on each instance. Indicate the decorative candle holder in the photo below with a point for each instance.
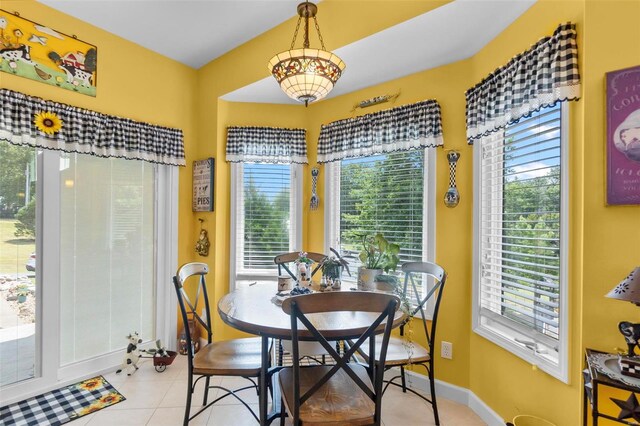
(452, 196)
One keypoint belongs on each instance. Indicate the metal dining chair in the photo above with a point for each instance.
(283, 260)
(234, 358)
(310, 350)
(399, 355)
(345, 393)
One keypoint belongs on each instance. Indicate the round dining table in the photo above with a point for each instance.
(256, 310)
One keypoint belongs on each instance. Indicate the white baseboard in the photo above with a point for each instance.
(454, 393)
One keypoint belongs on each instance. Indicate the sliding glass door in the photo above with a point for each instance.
(91, 242)
(19, 301)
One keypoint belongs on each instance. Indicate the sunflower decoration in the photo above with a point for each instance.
(92, 384)
(110, 399)
(48, 122)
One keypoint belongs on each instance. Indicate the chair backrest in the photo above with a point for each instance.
(384, 305)
(282, 260)
(420, 299)
(189, 307)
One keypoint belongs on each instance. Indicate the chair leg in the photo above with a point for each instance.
(189, 394)
(432, 384)
(280, 352)
(206, 390)
(283, 412)
(404, 379)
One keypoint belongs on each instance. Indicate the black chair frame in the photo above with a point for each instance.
(435, 271)
(185, 302)
(282, 259)
(342, 359)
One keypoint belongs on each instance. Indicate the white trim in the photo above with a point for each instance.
(166, 254)
(236, 178)
(296, 202)
(565, 208)
(454, 393)
(331, 205)
(493, 333)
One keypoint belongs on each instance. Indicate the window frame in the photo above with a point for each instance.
(499, 333)
(236, 276)
(332, 214)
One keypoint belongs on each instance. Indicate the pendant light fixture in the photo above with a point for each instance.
(306, 74)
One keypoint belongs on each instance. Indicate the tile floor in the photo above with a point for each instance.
(158, 399)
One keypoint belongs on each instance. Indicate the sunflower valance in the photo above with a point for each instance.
(27, 120)
(397, 129)
(541, 76)
(266, 145)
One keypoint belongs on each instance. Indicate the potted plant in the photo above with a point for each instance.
(377, 256)
(22, 291)
(332, 267)
(386, 282)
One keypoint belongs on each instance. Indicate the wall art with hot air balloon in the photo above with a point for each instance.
(37, 52)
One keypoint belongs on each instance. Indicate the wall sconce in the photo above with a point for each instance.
(452, 196)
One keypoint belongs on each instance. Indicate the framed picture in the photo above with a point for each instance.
(203, 172)
(623, 136)
(37, 52)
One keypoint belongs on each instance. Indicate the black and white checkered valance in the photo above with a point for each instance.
(266, 145)
(397, 129)
(541, 76)
(87, 132)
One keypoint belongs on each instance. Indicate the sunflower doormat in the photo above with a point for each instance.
(62, 405)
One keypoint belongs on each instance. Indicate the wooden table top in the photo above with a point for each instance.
(252, 310)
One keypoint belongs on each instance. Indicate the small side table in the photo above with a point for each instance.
(593, 378)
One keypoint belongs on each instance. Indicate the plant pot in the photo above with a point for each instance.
(22, 298)
(385, 284)
(367, 278)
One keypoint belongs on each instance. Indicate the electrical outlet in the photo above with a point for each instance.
(446, 350)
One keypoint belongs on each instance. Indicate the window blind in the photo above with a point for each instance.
(264, 227)
(107, 254)
(382, 193)
(519, 232)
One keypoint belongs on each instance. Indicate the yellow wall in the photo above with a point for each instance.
(603, 241)
(506, 383)
(611, 233)
(133, 82)
(246, 64)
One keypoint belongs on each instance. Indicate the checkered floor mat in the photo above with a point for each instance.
(62, 405)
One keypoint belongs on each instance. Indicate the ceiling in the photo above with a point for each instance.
(447, 34)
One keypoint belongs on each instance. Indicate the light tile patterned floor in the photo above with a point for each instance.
(158, 399)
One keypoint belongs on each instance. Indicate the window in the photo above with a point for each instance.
(388, 193)
(266, 217)
(520, 261)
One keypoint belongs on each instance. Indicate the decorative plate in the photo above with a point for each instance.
(607, 364)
